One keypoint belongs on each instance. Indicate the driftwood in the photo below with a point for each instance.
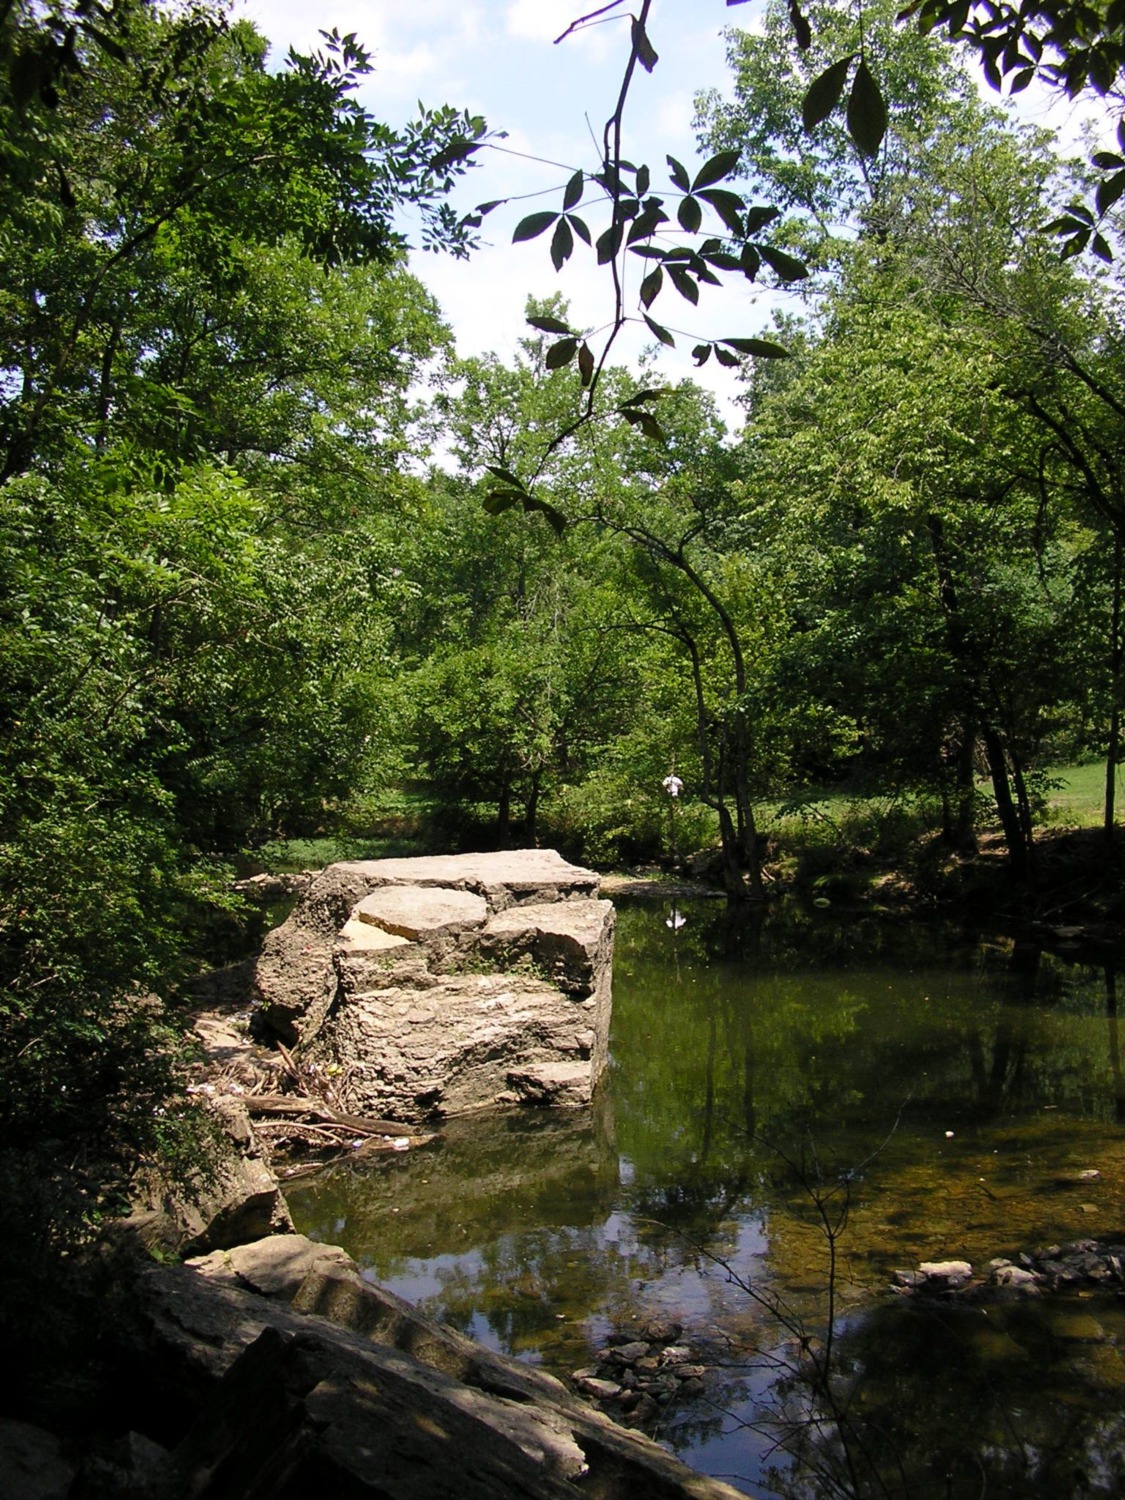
(293, 1106)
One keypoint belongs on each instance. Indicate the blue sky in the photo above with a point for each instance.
(498, 58)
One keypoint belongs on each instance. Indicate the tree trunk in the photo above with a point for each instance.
(1018, 854)
(1113, 749)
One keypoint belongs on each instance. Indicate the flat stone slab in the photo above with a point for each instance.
(358, 936)
(563, 1085)
(571, 940)
(420, 912)
(520, 870)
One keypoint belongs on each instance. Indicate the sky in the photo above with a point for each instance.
(499, 58)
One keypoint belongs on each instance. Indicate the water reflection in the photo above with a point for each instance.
(754, 1065)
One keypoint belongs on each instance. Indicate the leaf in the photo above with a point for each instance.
(788, 267)
(721, 165)
(661, 333)
(585, 363)
(727, 205)
(609, 243)
(546, 324)
(1109, 191)
(689, 214)
(647, 423)
(647, 55)
(679, 175)
(650, 286)
(801, 28)
(1021, 80)
(761, 348)
(725, 357)
(643, 181)
(561, 354)
(532, 226)
(562, 244)
(758, 217)
(556, 517)
(641, 398)
(824, 93)
(1107, 160)
(750, 261)
(579, 226)
(496, 502)
(506, 475)
(1100, 246)
(574, 189)
(684, 284)
(701, 353)
(867, 114)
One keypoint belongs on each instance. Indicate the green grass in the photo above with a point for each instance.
(1079, 800)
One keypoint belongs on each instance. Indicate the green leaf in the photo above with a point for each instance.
(546, 324)
(562, 244)
(867, 114)
(609, 243)
(801, 28)
(507, 476)
(684, 284)
(643, 181)
(579, 227)
(641, 398)
(1109, 191)
(661, 333)
(647, 423)
(725, 357)
(650, 286)
(646, 53)
(701, 353)
(758, 217)
(721, 165)
(788, 267)
(573, 194)
(750, 261)
(496, 502)
(728, 207)
(1107, 160)
(541, 507)
(585, 363)
(1100, 246)
(561, 354)
(679, 175)
(532, 226)
(824, 93)
(690, 214)
(761, 348)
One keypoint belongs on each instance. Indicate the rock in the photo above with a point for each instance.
(675, 1354)
(32, 1463)
(601, 1390)
(238, 1202)
(560, 1084)
(349, 1390)
(421, 913)
(1015, 1277)
(275, 1267)
(505, 879)
(952, 1273)
(627, 1353)
(132, 1468)
(657, 1331)
(387, 971)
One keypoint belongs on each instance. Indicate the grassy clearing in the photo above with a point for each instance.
(1078, 801)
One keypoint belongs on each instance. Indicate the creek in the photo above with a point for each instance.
(950, 1094)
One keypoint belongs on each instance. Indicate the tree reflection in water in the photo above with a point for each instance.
(541, 1234)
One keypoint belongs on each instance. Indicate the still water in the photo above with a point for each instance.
(783, 1087)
